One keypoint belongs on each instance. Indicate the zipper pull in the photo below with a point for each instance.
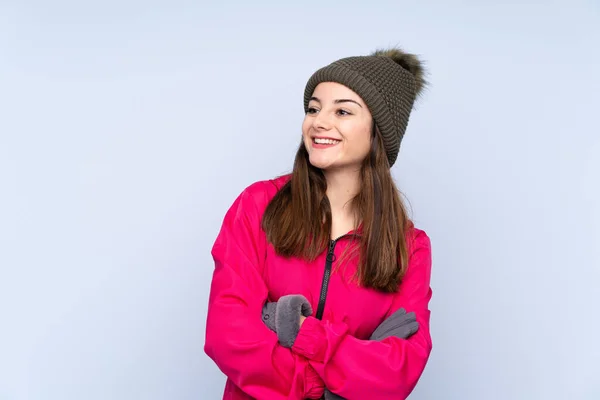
(330, 253)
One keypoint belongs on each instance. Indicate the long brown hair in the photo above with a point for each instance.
(297, 221)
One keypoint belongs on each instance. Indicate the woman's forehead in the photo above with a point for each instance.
(330, 91)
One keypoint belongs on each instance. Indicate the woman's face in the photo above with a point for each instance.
(337, 128)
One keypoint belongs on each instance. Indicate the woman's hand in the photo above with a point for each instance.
(286, 316)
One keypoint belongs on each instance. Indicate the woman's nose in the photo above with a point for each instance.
(322, 121)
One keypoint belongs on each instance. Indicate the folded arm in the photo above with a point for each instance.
(283, 317)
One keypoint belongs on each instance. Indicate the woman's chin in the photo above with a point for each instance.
(321, 163)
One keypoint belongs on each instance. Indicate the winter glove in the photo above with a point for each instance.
(400, 324)
(283, 317)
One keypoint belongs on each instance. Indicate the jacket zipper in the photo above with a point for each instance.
(329, 259)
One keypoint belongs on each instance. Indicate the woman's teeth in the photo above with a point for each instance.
(325, 141)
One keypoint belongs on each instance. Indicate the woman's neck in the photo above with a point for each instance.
(342, 187)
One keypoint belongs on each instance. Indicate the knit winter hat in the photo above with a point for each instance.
(388, 81)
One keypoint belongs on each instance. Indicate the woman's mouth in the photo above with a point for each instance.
(321, 143)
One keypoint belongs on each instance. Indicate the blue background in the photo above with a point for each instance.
(127, 128)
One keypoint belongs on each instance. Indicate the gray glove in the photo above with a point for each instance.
(283, 317)
(400, 324)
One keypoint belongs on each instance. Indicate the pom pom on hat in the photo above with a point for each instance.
(409, 62)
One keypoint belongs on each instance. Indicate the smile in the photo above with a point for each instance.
(325, 141)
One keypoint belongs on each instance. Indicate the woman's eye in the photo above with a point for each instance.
(311, 110)
(343, 112)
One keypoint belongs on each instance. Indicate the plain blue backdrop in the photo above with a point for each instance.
(127, 128)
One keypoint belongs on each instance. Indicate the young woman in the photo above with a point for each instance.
(333, 237)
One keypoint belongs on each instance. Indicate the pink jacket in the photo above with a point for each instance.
(332, 352)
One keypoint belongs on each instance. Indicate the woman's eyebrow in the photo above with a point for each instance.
(347, 101)
(338, 101)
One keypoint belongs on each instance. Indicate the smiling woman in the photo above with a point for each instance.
(333, 236)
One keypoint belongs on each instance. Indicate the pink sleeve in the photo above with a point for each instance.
(237, 340)
(377, 370)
